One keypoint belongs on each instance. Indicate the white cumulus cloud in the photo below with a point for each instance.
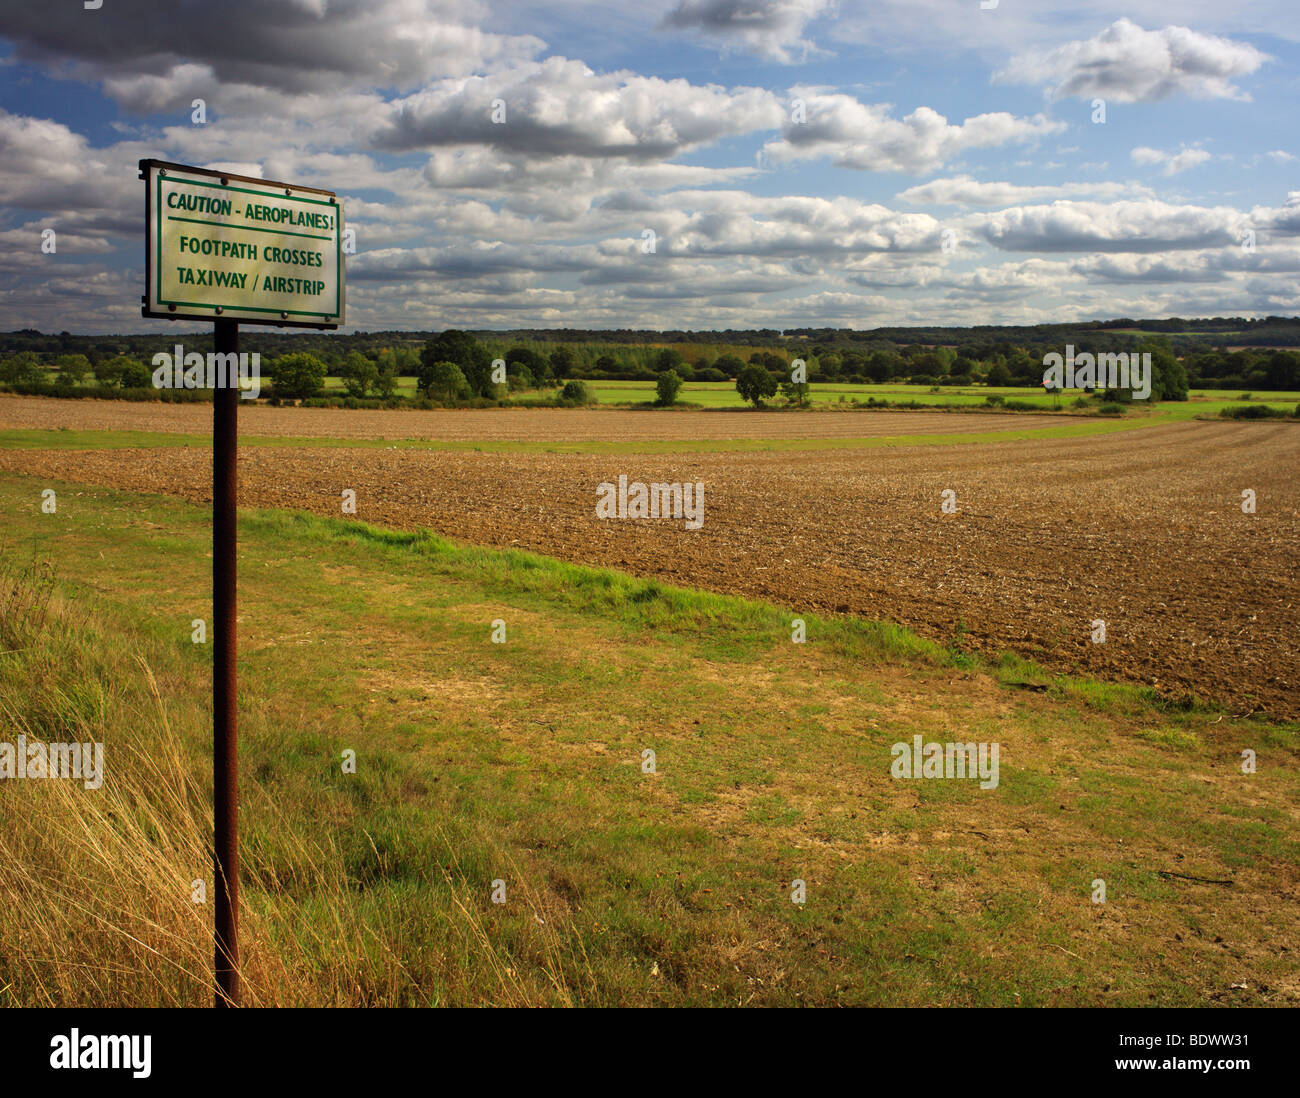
(1129, 65)
(772, 29)
(854, 134)
(1170, 163)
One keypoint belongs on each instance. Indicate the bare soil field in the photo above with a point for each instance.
(498, 424)
(1141, 529)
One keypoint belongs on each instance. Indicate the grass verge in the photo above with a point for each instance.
(522, 762)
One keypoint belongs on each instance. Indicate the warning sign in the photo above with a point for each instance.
(235, 248)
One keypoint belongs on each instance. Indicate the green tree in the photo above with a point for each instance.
(1168, 376)
(543, 373)
(574, 392)
(1172, 378)
(730, 365)
(771, 361)
(929, 364)
(962, 367)
(755, 384)
(1282, 373)
(444, 382)
(667, 387)
(999, 375)
(562, 362)
(853, 365)
(23, 368)
(72, 370)
(386, 382)
(795, 392)
(388, 359)
(359, 374)
(1024, 368)
(134, 374)
(524, 362)
(525, 355)
(883, 365)
(520, 378)
(669, 358)
(108, 371)
(298, 376)
(466, 352)
(403, 361)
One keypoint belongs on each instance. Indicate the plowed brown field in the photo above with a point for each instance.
(500, 424)
(1142, 529)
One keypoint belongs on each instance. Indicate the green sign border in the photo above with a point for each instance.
(155, 176)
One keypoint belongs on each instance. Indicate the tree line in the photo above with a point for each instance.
(457, 366)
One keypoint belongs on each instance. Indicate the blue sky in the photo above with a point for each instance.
(799, 162)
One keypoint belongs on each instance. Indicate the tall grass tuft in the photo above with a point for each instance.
(98, 887)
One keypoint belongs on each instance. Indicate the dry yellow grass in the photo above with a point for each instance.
(99, 894)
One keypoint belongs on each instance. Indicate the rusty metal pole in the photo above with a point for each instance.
(225, 769)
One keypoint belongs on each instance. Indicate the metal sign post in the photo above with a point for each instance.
(225, 765)
(228, 248)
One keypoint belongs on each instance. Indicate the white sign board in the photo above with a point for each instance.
(224, 246)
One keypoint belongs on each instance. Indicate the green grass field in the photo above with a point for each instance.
(522, 762)
(722, 394)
